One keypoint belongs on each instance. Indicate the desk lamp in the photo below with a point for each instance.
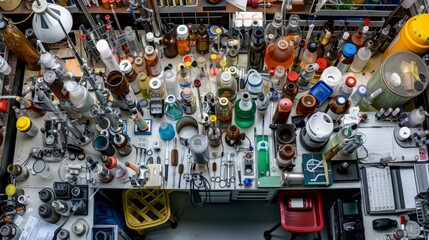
(48, 20)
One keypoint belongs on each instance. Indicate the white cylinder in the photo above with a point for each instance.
(79, 96)
(332, 76)
(4, 67)
(317, 131)
(404, 133)
(171, 83)
(361, 59)
(106, 56)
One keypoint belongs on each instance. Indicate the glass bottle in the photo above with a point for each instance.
(283, 110)
(170, 82)
(150, 39)
(173, 110)
(140, 122)
(290, 90)
(292, 76)
(349, 51)
(232, 58)
(366, 101)
(328, 27)
(224, 112)
(332, 55)
(140, 65)
(118, 168)
(310, 55)
(387, 41)
(188, 101)
(130, 75)
(183, 76)
(133, 44)
(156, 86)
(384, 33)
(213, 71)
(361, 92)
(19, 172)
(28, 104)
(278, 79)
(323, 64)
(297, 60)
(346, 88)
(375, 42)
(279, 53)
(192, 36)
(20, 45)
(361, 58)
(358, 39)
(306, 105)
(275, 29)
(262, 103)
(245, 109)
(293, 31)
(323, 45)
(203, 40)
(254, 84)
(169, 42)
(56, 85)
(306, 76)
(183, 44)
(227, 87)
(337, 106)
(122, 144)
(153, 65)
(344, 39)
(79, 97)
(214, 133)
(143, 81)
(202, 75)
(118, 87)
(26, 126)
(19, 112)
(256, 50)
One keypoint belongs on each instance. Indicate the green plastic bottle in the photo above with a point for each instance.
(245, 109)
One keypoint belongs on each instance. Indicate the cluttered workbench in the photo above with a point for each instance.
(203, 122)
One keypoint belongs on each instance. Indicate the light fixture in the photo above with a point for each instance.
(46, 21)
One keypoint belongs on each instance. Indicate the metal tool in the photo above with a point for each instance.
(181, 166)
(174, 160)
(167, 162)
(240, 183)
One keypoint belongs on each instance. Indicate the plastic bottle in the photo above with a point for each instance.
(359, 94)
(358, 39)
(254, 84)
(275, 29)
(173, 110)
(121, 144)
(26, 126)
(183, 76)
(80, 97)
(183, 44)
(306, 76)
(107, 57)
(133, 44)
(19, 45)
(153, 65)
(349, 51)
(227, 87)
(188, 101)
(293, 31)
(283, 110)
(256, 50)
(361, 58)
(310, 55)
(346, 88)
(245, 109)
(366, 101)
(224, 112)
(170, 83)
(416, 117)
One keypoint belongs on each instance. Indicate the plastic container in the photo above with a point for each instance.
(199, 147)
(106, 56)
(80, 97)
(416, 117)
(361, 58)
(346, 87)
(254, 84)
(283, 110)
(332, 76)
(349, 51)
(321, 91)
(317, 131)
(413, 37)
(26, 126)
(360, 92)
(4, 67)
(402, 76)
(245, 109)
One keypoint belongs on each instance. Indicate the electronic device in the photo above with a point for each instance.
(109, 232)
(346, 220)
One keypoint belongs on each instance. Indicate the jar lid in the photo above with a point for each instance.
(155, 83)
(149, 50)
(49, 76)
(10, 190)
(226, 78)
(182, 31)
(312, 47)
(362, 90)
(201, 61)
(23, 123)
(125, 66)
(341, 100)
(308, 101)
(416, 27)
(349, 50)
(150, 37)
(292, 76)
(254, 80)
(350, 81)
(213, 57)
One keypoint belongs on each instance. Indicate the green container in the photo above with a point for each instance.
(402, 76)
(245, 109)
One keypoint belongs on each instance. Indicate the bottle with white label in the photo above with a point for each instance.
(153, 64)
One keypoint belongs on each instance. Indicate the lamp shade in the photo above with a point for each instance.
(46, 27)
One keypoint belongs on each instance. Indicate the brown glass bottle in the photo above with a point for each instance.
(169, 43)
(357, 39)
(202, 41)
(306, 105)
(153, 65)
(30, 105)
(192, 35)
(337, 106)
(117, 85)
(19, 45)
(56, 85)
(290, 90)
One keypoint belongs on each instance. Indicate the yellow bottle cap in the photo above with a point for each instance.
(223, 63)
(188, 64)
(213, 118)
(10, 190)
(218, 31)
(213, 57)
(23, 123)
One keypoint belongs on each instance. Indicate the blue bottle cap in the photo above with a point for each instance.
(341, 100)
(349, 50)
(362, 90)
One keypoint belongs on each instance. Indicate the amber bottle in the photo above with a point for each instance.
(19, 45)
(203, 40)
(169, 42)
(192, 35)
(153, 64)
(357, 39)
(306, 105)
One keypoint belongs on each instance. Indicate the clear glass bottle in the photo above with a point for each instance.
(130, 75)
(156, 86)
(275, 29)
(203, 40)
(227, 87)
(202, 75)
(232, 57)
(188, 101)
(153, 65)
(143, 81)
(183, 43)
(118, 168)
(224, 112)
(183, 76)
(214, 134)
(279, 79)
(170, 82)
(173, 110)
(297, 60)
(245, 109)
(346, 88)
(254, 84)
(387, 41)
(361, 92)
(310, 55)
(20, 45)
(293, 31)
(169, 42)
(349, 51)
(133, 44)
(306, 76)
(256, 50)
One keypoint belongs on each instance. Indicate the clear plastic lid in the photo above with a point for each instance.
(412, 71)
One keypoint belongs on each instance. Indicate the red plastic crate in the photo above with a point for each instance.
(301, 220)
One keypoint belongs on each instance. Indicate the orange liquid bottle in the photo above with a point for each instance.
(279, 53)
(183, 43)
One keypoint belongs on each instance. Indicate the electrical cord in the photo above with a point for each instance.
(199, 183)
(16, 23)
(381, 164)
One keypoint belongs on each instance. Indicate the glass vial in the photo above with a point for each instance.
(203, 40)
(130, 75)
(169, 42)
(224, 112)
(188, 101)
(346, 88)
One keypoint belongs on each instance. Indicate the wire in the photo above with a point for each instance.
(250, 142)
(199, 183)
(16, 23)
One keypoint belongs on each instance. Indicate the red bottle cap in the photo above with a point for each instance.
(197, 83)
(285, 105)
(111, 162)
(107, 17)
(366, 22)
(350, 81)
(292, 76)
(83, 37)
(323, 64)
(108, 27)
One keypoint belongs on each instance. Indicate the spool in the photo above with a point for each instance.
(317, 131)
(199, 146)
(403, 133)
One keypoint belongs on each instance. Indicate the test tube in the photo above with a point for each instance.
(107, 56)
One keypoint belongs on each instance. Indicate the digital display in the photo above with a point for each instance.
(350, 209)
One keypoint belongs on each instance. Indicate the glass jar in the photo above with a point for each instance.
(279, 53)
(143, 81)
(140, 65)
(130, 75)
(156, 86)
(183, 43)
(306, 105)
(173, 110)
(169, 42)
(337, 106)
(227, 87)
(293, 31)
(192, 36)
(118, 86)
(224, 112)
(188, 101)
(153, 65)
(290, 90)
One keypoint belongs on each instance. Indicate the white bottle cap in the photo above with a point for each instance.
(104, 48)
(125, 66)
(182, 31)
(346, 35)
(150, 37)
(395, 80)
(49, 76)
(47, 60)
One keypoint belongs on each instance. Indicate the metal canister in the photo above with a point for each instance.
(199, 147)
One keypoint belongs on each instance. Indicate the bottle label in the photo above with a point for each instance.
(189, 109)
(155, 70)
(333, 115)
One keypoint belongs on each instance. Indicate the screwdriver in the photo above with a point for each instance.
(174, 160)
(214, 168)
(181, 166)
